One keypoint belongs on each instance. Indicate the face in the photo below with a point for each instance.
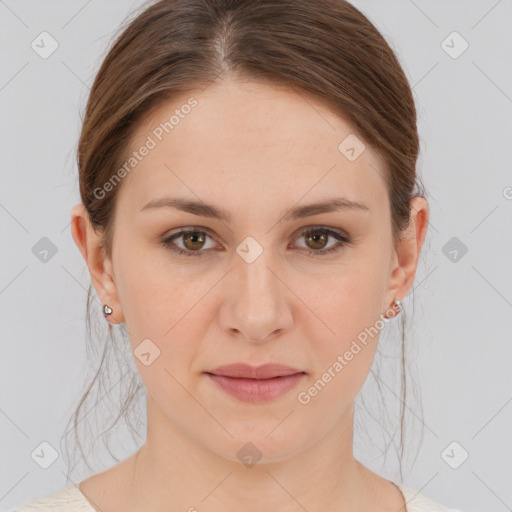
(252, 285)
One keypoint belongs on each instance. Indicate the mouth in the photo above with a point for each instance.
(256, 384)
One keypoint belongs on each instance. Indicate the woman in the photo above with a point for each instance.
(250, 214)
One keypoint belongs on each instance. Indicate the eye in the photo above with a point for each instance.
(193, 240)
(316, 237)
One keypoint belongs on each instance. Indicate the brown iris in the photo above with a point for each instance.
(195, 238)
(316, 236)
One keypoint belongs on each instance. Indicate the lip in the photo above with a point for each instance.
(256, 384)
(246, 371)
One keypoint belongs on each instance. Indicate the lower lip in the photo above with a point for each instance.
(256, 390)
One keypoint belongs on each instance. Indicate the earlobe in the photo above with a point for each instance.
(89, 243)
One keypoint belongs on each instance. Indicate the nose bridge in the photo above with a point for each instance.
(254, 275)
(258, 306)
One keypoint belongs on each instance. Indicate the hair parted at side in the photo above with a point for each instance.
(326, 48)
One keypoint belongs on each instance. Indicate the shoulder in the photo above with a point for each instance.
(417, 502)
(68, 499)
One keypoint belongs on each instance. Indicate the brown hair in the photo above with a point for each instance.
(326, 48)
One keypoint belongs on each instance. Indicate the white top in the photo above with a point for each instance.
(71, 499)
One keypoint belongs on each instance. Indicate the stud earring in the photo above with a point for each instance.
(107, 310)
(398, 305)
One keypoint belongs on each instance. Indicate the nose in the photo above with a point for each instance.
(258, 307)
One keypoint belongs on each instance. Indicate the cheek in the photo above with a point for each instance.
(342, 363)
(166, 304)
(349, 319)
(153, 292)
(162, 327)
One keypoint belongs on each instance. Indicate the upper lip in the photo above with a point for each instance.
(266, 371)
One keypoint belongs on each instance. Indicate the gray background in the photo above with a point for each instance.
(461, 345)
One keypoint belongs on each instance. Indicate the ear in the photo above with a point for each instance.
(406, 258)
(99, 264)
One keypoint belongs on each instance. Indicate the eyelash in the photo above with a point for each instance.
(342, 241)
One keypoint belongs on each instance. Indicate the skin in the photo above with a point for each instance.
(255, 150)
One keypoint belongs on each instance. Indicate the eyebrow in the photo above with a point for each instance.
(298, 212)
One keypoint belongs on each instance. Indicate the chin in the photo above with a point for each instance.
(259, 444)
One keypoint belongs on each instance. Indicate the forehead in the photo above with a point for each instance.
(250, 142)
